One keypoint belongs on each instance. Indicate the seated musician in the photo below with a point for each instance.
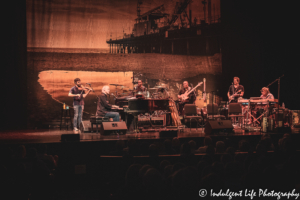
(235, 91)
(266, 94)
(104, 108)
(191, 97)
(140, 87)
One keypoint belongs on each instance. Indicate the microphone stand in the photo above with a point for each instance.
(93, 91)
(232, 92)
(213, 111)
(278, 79)
(91, 87)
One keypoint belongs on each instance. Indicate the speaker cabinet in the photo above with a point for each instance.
(215, 127)
(108, 128)
(70, 137)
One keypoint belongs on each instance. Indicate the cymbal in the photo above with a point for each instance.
(116, 84)
(159, 86)
(153, 88)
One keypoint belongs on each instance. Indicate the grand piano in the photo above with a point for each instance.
(146, 105)
(140, 106)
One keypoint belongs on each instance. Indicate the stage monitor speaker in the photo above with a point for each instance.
(113, 127)
(85, 126)
(70, 137)
(215, 127)
(168, 133)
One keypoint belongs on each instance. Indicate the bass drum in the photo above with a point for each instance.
(140, 95)
(147, 94)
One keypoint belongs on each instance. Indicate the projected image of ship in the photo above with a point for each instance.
(178, 32)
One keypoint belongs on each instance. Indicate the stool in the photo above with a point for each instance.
(65, 117)
(97, 121)
(235, 110)
(190, 113)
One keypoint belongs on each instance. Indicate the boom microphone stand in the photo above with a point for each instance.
(213, 95)
(278, 79)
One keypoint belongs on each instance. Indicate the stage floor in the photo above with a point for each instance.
(54, 135)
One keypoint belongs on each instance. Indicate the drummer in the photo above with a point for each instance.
(140, 87)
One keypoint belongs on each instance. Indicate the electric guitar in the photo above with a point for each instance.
(232, 96)
(185, 96)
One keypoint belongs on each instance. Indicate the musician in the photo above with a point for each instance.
(235, 91)
(104, 108)
(266, 94)
(140, 87)
(191, 97)
(78, 93)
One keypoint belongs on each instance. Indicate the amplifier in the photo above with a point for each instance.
(147, 121)
(113, 127)
(221, 126)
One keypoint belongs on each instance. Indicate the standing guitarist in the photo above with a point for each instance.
(191, 97)
(235, 91)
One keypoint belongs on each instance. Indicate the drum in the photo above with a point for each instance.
(147, 94)
(140, 95)
(296, 118)
(155, 96)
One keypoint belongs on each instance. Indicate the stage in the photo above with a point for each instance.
(54, 135)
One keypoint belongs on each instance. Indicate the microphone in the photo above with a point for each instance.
(88, 83)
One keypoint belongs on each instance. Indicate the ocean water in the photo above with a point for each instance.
(67, 50)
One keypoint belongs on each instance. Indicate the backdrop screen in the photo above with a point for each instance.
(103, 42)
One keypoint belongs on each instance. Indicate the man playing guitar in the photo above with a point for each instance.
(191, 98)
(235, 91)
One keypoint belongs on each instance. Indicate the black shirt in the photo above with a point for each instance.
(102, 105)
(140, 89)
(77, 100)
(192, 95)
(232, 90)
